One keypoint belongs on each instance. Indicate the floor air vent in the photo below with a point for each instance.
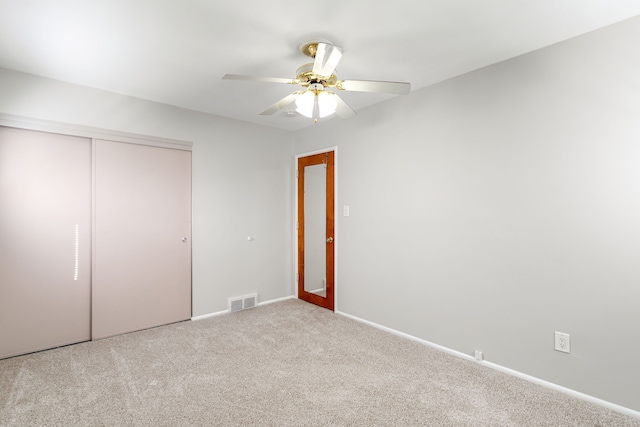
(242, 303)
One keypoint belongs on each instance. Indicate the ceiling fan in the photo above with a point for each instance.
(315, 100)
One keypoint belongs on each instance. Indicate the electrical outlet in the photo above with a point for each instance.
(563, 342)
(479, 355)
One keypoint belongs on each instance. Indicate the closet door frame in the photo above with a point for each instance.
(29, 123)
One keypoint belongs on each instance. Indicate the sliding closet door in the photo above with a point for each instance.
(45, 214)
(142, 258)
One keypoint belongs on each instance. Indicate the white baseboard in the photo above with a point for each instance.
(206, 316)
(218, 313)
(271, 301)
(538, 381)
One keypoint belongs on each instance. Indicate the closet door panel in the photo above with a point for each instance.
(45, 226)
(142, 266)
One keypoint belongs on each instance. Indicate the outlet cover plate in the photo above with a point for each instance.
(563, 342)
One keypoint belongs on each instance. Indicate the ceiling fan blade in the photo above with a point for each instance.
(281, 104)
(397, 88)
(342, 109)
(259, 79)
(327, 58)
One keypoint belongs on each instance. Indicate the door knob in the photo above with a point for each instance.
(329, 239)
(184, 240)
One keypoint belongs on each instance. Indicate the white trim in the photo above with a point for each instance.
(311, 153)
(219, 313)
(565, 390)
(508, 371)
(206, 316)
(29, 123)
(410, 337)
(271, 301)
(335, 219)
(336, 233)
(294, 240)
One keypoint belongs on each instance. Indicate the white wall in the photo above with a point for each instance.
(242, 181)
(497, 207)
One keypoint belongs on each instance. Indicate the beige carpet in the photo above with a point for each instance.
(283, 364)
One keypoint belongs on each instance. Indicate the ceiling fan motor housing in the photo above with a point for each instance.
(306, 76)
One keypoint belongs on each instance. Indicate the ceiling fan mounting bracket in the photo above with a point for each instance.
(310, 47)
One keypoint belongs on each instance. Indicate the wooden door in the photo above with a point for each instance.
(142, 250)
(45, 240)
(316, 238)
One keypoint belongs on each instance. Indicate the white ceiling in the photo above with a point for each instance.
(176, 52)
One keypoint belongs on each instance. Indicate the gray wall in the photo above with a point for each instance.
(487, 211)
(242, 182)
(492, 209)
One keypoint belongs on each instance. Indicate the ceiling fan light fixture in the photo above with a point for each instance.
(327, 103)
(305, 103)
(316, 104)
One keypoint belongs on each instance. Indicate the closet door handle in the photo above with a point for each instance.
(184, 240)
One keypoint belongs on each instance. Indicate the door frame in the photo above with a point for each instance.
(336, 242)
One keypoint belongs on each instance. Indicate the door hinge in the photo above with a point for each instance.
(297, 277)
(297, 173)
(297, 225)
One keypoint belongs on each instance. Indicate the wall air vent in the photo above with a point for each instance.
(242, 303)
